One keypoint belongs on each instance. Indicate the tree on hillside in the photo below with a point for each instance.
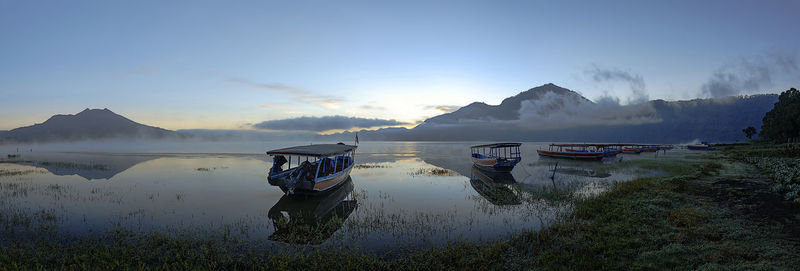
(782, 123)
(750, 131)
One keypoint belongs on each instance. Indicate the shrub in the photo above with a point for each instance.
(785, 172)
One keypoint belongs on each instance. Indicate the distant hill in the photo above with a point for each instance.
(86, 125)
(553, 113)
(509, 108)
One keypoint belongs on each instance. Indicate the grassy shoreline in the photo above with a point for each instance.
(711, 214)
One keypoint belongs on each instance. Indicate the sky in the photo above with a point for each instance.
(254, 64)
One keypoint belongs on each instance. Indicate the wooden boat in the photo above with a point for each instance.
(639, 148)
(497, 157)
(612, 150)
(604, 148)
(650, 148)
(559, 151)
(700, 147)
(632, 150)
(311, 220)
(318, 168)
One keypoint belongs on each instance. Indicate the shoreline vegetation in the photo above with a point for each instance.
(721, 210)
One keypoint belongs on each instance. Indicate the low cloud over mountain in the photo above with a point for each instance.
(320, 124)
(544, 113)
(553, 113)
(547, 107)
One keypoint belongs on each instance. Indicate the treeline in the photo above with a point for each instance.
(782, 123)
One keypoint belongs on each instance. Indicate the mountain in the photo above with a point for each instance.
(553, 113)
(88, 124)
(509, 108)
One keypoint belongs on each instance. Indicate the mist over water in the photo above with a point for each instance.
(403, 193)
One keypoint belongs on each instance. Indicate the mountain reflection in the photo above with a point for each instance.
(85, 165)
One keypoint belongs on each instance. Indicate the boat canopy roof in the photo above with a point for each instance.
(318, 150)
(498, 145)
(605, 145)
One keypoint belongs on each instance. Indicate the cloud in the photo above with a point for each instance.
(635, 81)
(371, 107)
(553, 111)
(319, 124)
(330, 102)
(275, 87)
(443, 108)
(298, 94)
(750, 74)
(274, 106)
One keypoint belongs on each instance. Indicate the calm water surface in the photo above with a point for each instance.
(400, 194)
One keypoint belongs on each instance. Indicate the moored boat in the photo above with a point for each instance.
(317, 168)
(700, 147)
(650, 149)
(563, 151)
(606, 149)
(497, 157)
(632, 150)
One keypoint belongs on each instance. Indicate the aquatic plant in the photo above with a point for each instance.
(432, 172)
(370, 165)
(6, 173)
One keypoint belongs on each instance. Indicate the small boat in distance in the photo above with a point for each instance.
(700, 147)
(633, 150)
(318, 168)
(569, 151)
(500, 157)
(606, 149)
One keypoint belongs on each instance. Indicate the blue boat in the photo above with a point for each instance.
(700, 147)
(500, 157)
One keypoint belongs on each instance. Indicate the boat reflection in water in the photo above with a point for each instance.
(311, 220)
(575, 169)
(494, 186)
(583, 172)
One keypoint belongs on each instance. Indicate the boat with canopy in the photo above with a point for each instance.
(700, 147)
(317, 168)
(586, 152)
(497, 156)
(607, 150)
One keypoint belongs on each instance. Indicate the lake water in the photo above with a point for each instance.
(401, 194)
